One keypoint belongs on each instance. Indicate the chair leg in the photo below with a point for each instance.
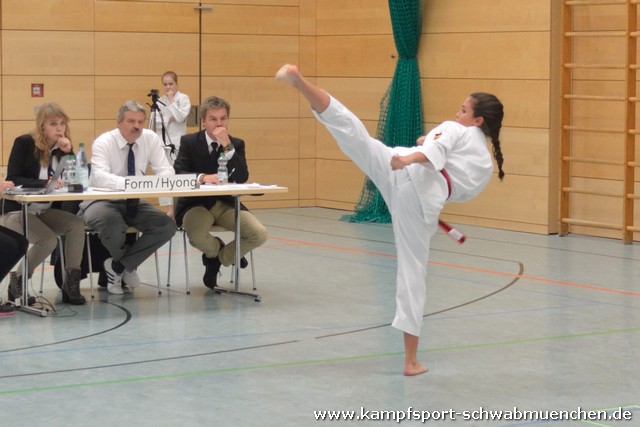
(253, 271)
(63, 264)
(89, 263)
(186, 264)
(155, 254)
(168, 265)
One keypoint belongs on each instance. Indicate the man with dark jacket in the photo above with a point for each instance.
(199, 153)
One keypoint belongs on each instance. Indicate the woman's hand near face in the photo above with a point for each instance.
(64, 144)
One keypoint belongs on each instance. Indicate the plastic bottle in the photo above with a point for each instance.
(69, 174)
(223, 173)
(82, 168)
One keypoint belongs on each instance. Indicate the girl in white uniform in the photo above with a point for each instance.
(175, 107)
(451, 163)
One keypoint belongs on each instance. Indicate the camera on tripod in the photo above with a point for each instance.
(154, 94)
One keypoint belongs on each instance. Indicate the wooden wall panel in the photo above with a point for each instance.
(356, 56)
(281, 172)
(145, 54)
(308, 17)
(442, 99)
(526, 151)
(360, 95)
(64, 53)
(469, 57)
(307, 169)
(144, 17)
(600, 17)
(326, 146)
(246, 55)
(460, 16)
(338, 180)
(74, 94)
(253, 97)
(339, 17)
(267, 138)
(112, 91)
(246, 19)
(347, 47)
(76, 15)
(518, 199)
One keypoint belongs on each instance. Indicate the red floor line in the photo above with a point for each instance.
(481, 270)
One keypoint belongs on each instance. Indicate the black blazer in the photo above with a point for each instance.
(24, 167)
(194, 157)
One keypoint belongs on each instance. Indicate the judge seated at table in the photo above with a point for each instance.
(199, 153)
(127, 150)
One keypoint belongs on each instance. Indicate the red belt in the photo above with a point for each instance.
(448, 179)
(451, 231)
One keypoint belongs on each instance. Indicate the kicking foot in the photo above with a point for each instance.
(414, 369)
(289, 74)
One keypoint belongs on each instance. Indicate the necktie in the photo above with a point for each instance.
(132, 204)
(131, 162)
(214, 152)
(54, 153)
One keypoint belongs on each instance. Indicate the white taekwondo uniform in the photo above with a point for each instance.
(416, 194)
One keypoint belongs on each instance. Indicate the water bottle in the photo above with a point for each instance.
(69, 175)
(223, 173)
(82, 168)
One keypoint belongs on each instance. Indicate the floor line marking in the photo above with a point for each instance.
(476, 269)
(306, 362)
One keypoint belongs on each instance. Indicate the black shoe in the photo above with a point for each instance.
(212, 268)
(14, 290)
(243, 262)
(71, 288)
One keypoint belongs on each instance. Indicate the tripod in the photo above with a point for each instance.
(156, 113)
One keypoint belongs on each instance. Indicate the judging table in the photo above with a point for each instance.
(234, 190)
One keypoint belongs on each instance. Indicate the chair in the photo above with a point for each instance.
(88, 232)
(213, 229)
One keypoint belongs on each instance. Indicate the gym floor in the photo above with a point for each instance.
(517, 325)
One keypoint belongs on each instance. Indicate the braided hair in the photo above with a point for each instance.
(490, 108)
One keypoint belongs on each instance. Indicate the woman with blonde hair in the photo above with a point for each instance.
(33, 158)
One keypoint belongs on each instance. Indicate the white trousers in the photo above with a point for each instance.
(414, 207)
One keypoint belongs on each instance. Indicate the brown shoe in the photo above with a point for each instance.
(71, 288)
(14, 289)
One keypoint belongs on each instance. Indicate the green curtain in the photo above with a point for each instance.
(400, 120)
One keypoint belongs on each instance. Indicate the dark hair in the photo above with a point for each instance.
(490, 108)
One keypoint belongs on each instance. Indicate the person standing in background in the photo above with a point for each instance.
(174, 107)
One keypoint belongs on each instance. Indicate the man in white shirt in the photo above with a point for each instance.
(127, 150)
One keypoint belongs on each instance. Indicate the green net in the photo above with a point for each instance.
(400, 119)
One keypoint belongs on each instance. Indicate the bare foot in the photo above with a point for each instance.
(414, 369)
(288, 73)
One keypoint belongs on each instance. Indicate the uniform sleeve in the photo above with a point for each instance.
(180, 108)
(440, 142)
